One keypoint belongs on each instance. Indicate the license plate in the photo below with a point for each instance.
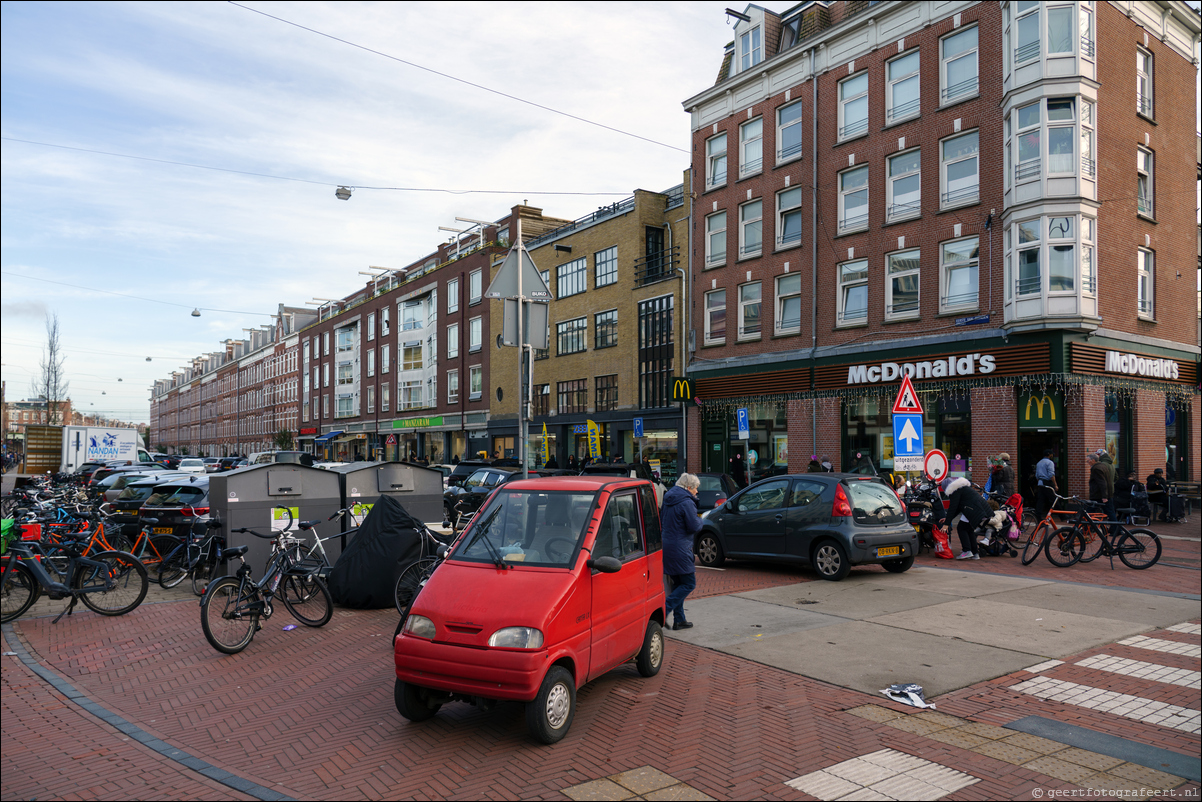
(163, 530)
(891, 551)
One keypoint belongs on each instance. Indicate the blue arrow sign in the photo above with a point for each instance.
(907, 435)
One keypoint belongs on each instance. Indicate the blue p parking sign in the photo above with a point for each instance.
(744, 428)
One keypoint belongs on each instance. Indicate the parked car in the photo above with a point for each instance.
(466, 498)
(538, 597)
(192, 465)
(465, 469)
(715, 489)
(830, 521)
(635, 470)
(178, 505)
(169, 460)
(445, 470)
(112, 485)
(212, 464)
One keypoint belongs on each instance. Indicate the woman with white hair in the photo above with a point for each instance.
(680, 524)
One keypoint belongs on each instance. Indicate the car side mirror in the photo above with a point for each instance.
(606, 565)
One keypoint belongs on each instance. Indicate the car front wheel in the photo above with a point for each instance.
(830, 561)
(550, 714)
(709, 550)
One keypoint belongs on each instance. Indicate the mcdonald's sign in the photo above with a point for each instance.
(1040, 411)
(682, 389)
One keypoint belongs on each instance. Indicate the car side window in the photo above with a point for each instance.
(651, 530)
(766, 496)
(619, 534)
(806, 493)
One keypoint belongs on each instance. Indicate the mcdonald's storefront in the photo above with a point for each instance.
(981, 397)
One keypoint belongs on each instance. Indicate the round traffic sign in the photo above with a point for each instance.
(935, 465)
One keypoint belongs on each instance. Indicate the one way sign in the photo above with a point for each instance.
(907, 429)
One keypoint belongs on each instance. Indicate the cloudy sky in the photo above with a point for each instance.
(218, 85)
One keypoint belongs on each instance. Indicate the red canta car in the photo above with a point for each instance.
(555, 582)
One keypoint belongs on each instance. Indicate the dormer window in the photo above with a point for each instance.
(751, 49)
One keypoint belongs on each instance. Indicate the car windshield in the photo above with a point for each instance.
(176, 497)
(531, 527)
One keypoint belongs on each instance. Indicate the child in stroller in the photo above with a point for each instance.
(998, 534)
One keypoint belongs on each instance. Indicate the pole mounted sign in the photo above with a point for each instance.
(907, 429)
(935, 465)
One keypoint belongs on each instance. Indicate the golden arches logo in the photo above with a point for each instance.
(682, 390)
(1039, 402)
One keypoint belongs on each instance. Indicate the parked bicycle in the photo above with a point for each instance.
(414, 578)
(233, 606)
(1046, 536)
(197, 557)
(1090, 539)
(109, 583)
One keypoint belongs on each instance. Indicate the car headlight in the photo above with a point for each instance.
(419, 626)
(516, 638)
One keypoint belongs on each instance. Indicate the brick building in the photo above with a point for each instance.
(967, 192)
(614, 328)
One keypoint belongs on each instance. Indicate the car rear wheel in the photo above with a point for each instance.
(830, 560)
(651, 656)
(899, 566)
(709, 550)
(550, 714)
(410, 704)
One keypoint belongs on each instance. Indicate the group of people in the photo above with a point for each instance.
(1110, 492)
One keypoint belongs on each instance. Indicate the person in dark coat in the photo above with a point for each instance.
(815, 466)
(573, 465)
(552, 464)
(680, 524)
(738, 470)
(1003, 476)
(1158, 494)
(963, 499)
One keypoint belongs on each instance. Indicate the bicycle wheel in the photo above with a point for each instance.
(19, 593)
(1029, 521)
(1139, 548)
(1035, 543)
(411, 581)
(154, 550)
(307, 598)
(1094, 537)
(204, 571)
(174, 566)
(1065, 546)
(124, 585)
(226, 617)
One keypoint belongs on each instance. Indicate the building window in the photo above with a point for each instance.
(572, 278)
(1089, 167)
(1060, 30)
(1089, 278)
(853, 106)
(1062, 136)
(605, 265)
(788, 217)
(715, 161)
(411, 315)
(385, 361)
(751, 147)
(371, 331)
(411, 395)
(607, 392)
(411, 356)
(901, 287)
(453, 341)
(371, 399)
(573, 396)
(385, 391)
(371, 362)
(853, 200)
(475, 281)
(325, 375)
(715, 239)
(1062, 256)
(307, 351)
(542, 399)
(853, 293)
(1146, 288)
(346, 373)
(751, 51)
(904, 196)
(656, 351)
(958, 274)
(1145, 199)
(345, 406)
(958, 66)
(384, 321)
(959, 169)
(788, 303)
(475, 377)
(475, 335)
(1143, 82)
(751, 222)
(1027, 165)
(452, 386)
(788, 132)
(605, 329)
(453, 295)
(570, 336)
(1026, 44)
(325, 343)
(715, 317)
(750, 305)
(901, 93)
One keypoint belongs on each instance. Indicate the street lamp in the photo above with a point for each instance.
(343, 193)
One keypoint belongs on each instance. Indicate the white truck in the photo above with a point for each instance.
(100, 444)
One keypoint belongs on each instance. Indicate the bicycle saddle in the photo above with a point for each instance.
(235, 551)
(308, 524)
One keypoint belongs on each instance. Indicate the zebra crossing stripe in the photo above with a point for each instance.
(1135, 708)
(1137, 668)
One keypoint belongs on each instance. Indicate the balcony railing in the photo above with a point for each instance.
(903, 110)
(897, 211)
(853, 129)
(853, 223)
(1026, 52)
(1087, 47)
(1024, 171)
(962, 89)
(1143, 104)
(656, 266)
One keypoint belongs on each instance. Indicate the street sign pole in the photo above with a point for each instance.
(522, 423)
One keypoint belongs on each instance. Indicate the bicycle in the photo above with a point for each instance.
(1137, 548)
(232, 606)
(315, 560)
(150, 548)
(414, 578)
(109, 583)
(1042, 535)
(196, 557)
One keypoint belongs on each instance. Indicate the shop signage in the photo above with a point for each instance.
(966, 365)
(1040, 411)
(682, 389)
(417, 423)
(1135, 365)
(308, 430)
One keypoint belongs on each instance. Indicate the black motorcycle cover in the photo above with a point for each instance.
(365, 576)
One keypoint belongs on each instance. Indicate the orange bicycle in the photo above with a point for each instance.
(1049, 530)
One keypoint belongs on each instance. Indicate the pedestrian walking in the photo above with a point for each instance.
(680, 525)
(1046, 487)
(1003, 476)
(738, 471)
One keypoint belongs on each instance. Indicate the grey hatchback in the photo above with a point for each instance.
(830, 521)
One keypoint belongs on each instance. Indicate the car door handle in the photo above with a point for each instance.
(780, 517)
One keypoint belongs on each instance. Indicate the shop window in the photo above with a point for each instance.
(765, 451)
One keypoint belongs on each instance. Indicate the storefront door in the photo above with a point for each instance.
(1031, 446)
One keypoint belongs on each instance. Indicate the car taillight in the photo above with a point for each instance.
(718, 502)
(842, 508)
(197, 511)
